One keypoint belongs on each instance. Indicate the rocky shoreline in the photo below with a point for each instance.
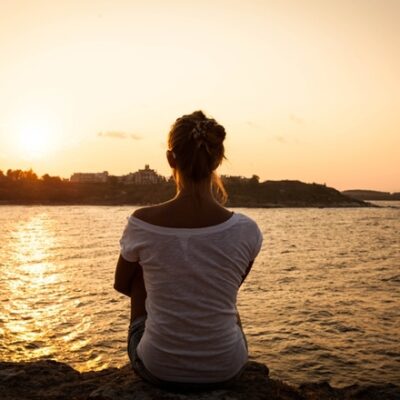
(51, 380)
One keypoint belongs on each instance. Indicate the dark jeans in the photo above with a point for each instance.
(135, 333)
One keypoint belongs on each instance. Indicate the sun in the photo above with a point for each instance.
(35, 139)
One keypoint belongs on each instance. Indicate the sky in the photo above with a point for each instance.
(307, 90)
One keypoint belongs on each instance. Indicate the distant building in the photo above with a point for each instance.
(89, 177)
(142, 177)
(232, 179)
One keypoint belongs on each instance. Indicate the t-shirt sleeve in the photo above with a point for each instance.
(129, 244)
(257, 243)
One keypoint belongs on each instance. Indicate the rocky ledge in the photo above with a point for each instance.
(48, 379)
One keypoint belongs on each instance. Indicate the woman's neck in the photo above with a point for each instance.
(201, 190)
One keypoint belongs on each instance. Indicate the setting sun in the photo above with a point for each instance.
(35, 139)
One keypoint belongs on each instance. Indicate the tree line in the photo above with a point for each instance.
(28, 175)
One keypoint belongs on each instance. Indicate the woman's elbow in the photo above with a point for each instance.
(122, 289)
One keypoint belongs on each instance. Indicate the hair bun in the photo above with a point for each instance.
(217, 133)
(197, 142)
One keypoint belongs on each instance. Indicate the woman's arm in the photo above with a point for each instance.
(125, 274)
(129, 281)
(247, 272)
(239, 322)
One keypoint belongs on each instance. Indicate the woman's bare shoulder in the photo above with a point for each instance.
(151, 214)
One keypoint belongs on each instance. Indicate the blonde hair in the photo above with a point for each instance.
(197, 145)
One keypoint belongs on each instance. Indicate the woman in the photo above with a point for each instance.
(182, 263)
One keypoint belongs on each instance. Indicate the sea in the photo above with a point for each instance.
(322, 302)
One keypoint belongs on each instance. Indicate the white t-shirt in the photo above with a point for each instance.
(192, 276)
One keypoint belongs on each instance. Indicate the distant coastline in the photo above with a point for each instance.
(371, 195)
(26, 188)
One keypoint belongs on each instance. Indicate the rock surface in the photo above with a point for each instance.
(51, 380)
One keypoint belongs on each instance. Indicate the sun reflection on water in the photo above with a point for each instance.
(44, 308)
(30, 308)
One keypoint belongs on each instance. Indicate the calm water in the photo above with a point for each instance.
(322, 301)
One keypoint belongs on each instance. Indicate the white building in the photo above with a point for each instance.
(89, 177)
(143, 177)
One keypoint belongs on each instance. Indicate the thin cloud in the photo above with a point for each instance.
(119, 135)
(253, 125)
(280, 139)
(296, 119)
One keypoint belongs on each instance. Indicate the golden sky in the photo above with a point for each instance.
(306, 90)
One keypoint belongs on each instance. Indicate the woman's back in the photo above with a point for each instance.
(192, 276)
